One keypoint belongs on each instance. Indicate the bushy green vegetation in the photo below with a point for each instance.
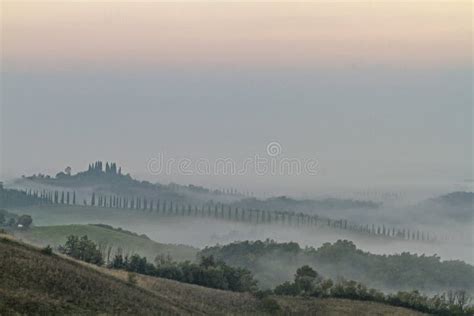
(207, 272)
(14, 221)
(82, 249)
(271, 262)
(8, 219)
(307, 282)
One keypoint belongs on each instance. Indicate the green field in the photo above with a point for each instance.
(130, 244)
(47, 215)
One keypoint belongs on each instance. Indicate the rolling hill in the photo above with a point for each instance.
(34, 282)
(107, 237)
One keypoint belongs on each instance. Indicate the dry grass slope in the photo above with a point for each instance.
(34, 283)
(211, 301)
(339, 307)
(194, 297)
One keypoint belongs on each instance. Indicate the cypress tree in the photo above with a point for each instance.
(93, 199)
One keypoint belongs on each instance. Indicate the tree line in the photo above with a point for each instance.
(256, 216)
(231, 213)
(309, 283)
(208, 272)
(21, 198)
(271, 262)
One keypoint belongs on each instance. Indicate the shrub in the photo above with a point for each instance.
(287, 288)
(262, 294)
(47, 250)
(270, 305)
(132, 278)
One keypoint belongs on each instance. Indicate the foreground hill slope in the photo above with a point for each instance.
(33, 282)
(107, 237)
(212, 301)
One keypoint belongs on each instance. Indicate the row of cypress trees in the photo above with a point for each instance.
(227, 212)
(256, 216)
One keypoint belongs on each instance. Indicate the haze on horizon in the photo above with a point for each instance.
(380, 94)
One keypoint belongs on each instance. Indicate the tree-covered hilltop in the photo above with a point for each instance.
(456, 199)
(455, 207)
(96, 173)
(108, 177)
(271, 263)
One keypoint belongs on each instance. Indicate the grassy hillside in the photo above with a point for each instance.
(57, 235)
(32, 282)
(337, 307)
(36, 283)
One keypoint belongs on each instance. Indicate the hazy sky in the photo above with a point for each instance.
(377, 92)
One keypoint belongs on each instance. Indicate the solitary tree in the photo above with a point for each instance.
(25, 221)
(306, 279)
